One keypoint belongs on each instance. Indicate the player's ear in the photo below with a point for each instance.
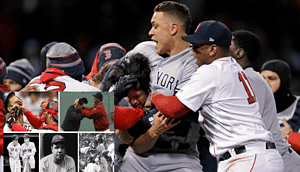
(240, 53)
(9, 108)
(174, 29)
(213, 50)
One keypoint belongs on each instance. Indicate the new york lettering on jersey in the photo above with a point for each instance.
(166, 80)
(168, 74)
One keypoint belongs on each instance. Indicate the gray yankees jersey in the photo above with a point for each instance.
(168, 75)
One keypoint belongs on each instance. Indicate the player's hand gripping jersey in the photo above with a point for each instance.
(167, 76)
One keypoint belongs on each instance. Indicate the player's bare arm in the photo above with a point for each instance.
(124, 136)
(146, 141)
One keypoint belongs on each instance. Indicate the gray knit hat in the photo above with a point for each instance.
(66, 58)
(20, 71)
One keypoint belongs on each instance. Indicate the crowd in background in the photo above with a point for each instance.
(96, 149)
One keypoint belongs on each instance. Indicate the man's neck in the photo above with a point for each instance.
(178, 46)
(20, 120)
(243, 62)
(57, 161)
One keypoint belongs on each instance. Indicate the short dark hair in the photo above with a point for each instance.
(136, 64)
(15, 137)
(178, 10)
(249, 41)
(6, 103)
(26, 136)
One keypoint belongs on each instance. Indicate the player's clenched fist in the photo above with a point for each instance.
(161, 124)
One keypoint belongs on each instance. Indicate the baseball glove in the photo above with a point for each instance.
(11, 119)
(82, 101)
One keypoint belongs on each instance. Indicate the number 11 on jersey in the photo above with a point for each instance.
(251, 96)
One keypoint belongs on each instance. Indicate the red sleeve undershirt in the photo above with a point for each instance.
(17, 127)
(126, 117)
(294, 140)
(170, 106)
(35, 121)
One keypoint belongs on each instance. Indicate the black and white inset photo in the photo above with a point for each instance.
(96, 152)
(58, 152)
(21, 152)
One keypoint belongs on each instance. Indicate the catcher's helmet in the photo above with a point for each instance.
(52, 107)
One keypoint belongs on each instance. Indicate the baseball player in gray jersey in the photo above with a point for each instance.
(245, 48)
(172, 65)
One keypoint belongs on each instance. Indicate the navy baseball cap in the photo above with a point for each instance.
(98, 95)
(210, 32)
(109, 52)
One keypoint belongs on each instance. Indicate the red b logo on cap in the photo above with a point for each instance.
(107, 54)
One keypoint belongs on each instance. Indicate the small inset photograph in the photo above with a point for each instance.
(31, 112)
(58, 152)
(96, 152)
(21, 152)
(87, 111)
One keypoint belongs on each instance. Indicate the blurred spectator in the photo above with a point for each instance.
(107, 55)
(31, 50)
(19, 73)
(43, 58)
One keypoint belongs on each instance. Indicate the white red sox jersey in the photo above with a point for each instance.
(14, 150)
(28, 149)
(26, 124)
(56, 80)
(229, 106)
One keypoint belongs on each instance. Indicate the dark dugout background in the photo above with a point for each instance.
(27, 25)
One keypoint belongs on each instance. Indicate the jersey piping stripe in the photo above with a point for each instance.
(253, 162)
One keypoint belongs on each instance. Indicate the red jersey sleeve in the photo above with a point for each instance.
(294, 140)
(125, 118)
(35, 121)
(93, 113)
(17, 127)
(170, 106)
